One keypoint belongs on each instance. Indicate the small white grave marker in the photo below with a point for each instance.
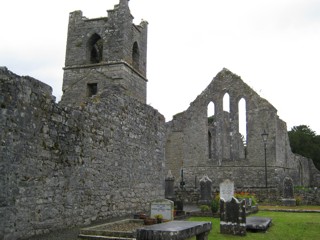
(227, 190)
(164, 207)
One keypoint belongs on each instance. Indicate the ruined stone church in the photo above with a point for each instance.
(102, 152)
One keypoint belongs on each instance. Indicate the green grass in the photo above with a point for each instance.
(292, 226)
(278, 207)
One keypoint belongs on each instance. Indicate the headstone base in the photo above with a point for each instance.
(233, 228)
(288, 202)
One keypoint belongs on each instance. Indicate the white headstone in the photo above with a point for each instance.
(164, 207)
(227, 190)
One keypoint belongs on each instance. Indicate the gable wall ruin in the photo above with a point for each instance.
(216, 148)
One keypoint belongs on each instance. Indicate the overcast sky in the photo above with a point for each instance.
(274, 45)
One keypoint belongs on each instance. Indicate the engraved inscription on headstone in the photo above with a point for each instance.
(164, 207)
(226, 190)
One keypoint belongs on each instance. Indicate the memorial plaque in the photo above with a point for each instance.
(226, 190)
(164, 207)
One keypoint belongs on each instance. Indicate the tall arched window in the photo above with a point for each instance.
(135, 55)
(95, 48)
(226, 102)
(243, 119)
(210, 112)
(210, 117)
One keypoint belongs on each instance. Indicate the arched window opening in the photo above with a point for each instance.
(226, 102)
(135, 56)
(209, 145)
(243, 120)
(95, 48)
(210, 112)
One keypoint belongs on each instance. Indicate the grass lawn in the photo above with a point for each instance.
(285, 225)
(268, 207)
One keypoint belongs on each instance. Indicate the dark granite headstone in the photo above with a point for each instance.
(232, 217)
(205, 191)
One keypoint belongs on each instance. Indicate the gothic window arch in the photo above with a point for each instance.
(242, 119)
(95, 48)
(226, 102)
(210, 112)
(135, 55)
(210, 117)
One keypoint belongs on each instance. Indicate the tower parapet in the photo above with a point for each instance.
(104, 52)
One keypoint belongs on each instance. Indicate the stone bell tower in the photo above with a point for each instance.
(105, 52)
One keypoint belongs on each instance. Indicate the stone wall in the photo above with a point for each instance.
(308, 196)
(67, 166)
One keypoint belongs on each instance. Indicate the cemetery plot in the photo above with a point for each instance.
(124, 229)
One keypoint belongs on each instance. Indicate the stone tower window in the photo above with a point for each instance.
(92, 89)
(95, 48)
(135, 56)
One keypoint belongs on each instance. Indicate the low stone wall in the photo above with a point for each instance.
(191, 195)
(304, 196)
(308, 196)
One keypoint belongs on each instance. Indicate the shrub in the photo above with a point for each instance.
(215, 204)
(243, 195)
(204, 208)
(298, 200)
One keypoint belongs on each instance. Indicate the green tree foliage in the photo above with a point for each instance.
(305, 142)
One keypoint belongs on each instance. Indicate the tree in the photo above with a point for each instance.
(305, 142)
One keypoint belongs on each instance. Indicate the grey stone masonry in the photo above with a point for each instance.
(68, 166)
(169, 187)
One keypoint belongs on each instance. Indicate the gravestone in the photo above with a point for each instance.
(226, 190)
(164, 207)
(232, 212)
(233, 217)
(205, 191)
(169, 187)
(288, 195)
